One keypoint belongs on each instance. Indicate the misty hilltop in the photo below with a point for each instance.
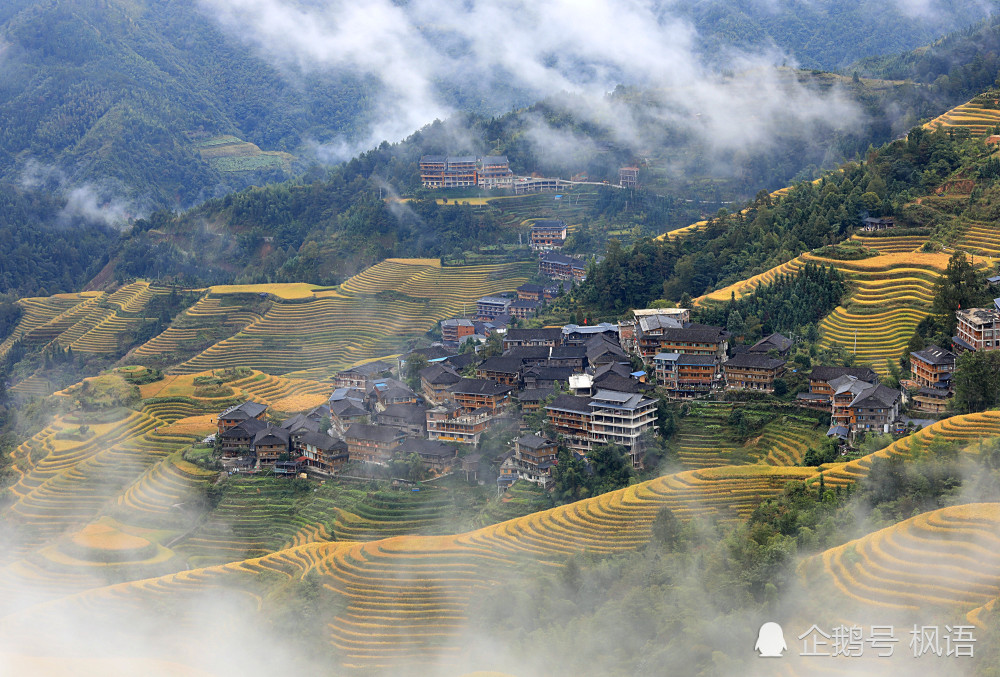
(153, 104)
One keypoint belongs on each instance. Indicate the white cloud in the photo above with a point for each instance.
(421, 50)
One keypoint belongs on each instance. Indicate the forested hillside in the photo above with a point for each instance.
(828, 34)
(117, 93)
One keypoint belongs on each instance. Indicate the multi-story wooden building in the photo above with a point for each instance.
(372, 443)
(503, 369)
(435, 381)
(270, 444)
(472, 394)
(241, 412)
(562, 267)
(548, 234)
(237, 440)
(323, 452)
(859, 407)
(453, 424)
(532, 460)
(932, 367)
(532, 338)
(536, 292)
(522, 309)
(978, 329)
(570, 417)
(607, 417)
(435, 455)
(932, 400)
(410, 419)
(697, 375)
(752, 371)
(690, 339)
(820, 393)
(361, 376)
(665, 368)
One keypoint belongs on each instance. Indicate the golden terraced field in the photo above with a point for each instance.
(330, 330)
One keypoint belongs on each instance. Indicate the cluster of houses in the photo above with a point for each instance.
(691, 360)
(583, 379)
(978, 330)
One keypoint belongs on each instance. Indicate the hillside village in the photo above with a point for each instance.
(435, 410)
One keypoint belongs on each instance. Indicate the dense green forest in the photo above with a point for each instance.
(828, 34)
(44, 250)
(113, 92)
(792, 304)
(734, 246)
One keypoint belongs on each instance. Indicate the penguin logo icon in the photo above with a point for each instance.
(770, 641)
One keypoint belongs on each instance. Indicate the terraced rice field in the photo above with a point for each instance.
(973, 116)
(889, 296)
(258, 517)
(947, 559)
(39, 311)
(406, 598)
(64, 483)
(964, 429)
(703, 439)
(214, 317)
(979, 238)
(89, 322)
(893, 244)
(337, 329)
(175, 398)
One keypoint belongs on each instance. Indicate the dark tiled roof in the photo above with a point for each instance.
(438, 374)
(934, 355)
(876, 396)
(300, 422)
(425, 448)
(773, 342)
(621, 384)
(546, 373)
(461, 361)
(247, 428)
(533, 441)
(571, 403)
(410, 413)
(695, 360)
(271, 435)
(531, 288)
(248, 409)
(323, 442)
(371, 433)
(346, 408)
(528, 353)
(545, 224)
(568, 352)
(433, 352)
(520, 335)
(534, 394)
(695, 333)
(475, 386)
(753, 361)
(504, 364)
